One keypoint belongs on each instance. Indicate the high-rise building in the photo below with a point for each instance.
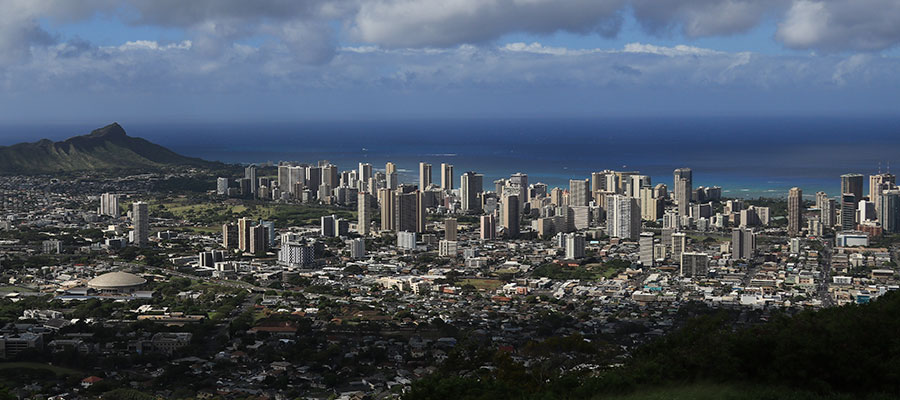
(313, 180)
(652, 208)
(889, 210)
(574, 246)
(471, 185)
(795, 211)
(230, 236)
(679, 244)
(327, 226)
(406, 212)
(386, 199)
(365, 171)
(520, 180)
(109, 205)
(848, 212)
(406, 240)
(222, 186)
(244, 225)
(446, 176)
(250, 173)
(364, 213)
(258, 239)
(488, 227)
(330, 176)
(424, 175)
(140, 215)
(852, 183)
(646, 249)
(683, 189)
(638, 182)
(421, 205)
(579, 192)
(390, 168)
(694, 264)
(358, 248)
(743, 244)
(598, 181)
(510, 216)
(879, 183)
(450, 229)
(623, 217)
(448, 248)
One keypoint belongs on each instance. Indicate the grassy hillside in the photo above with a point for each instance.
(846, 352)
(106, 148)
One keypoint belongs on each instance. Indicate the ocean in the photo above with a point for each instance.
(747, 157)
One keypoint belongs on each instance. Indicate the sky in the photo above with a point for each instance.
(82, 61)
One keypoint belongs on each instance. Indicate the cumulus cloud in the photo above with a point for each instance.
(837, 25)
(441, 23)
(698, 18)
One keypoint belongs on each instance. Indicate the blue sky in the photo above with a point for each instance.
(234, 60)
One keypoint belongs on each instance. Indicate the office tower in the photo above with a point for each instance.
(510, 216)
(450, 229)
(250, 173)
(258, 239)
(446, 176)
(405, 212)
(109, 204)
(364, 213)
(365, 171)
(612, 183)
(270, 232)
(743, 244)
(866, 211)
(230, 236)
(683, 187)
(296, 181)
(488, 227)
(678, 245)
(244, 225)
(358, 248)
(638, 182)
(421, 205)
(424, 175)
(880, 182)
(556, 197)
(538, 190)
(520, 180)
(848, 212)
(471, 184)
(574, 246)
(651, 207)
(327, 226)
(222, 186)
(852, 183)
(330, 176)
(579, 192)
(646, 249)
(598, 181)
(694, 264)
(795, 211)
(386, 199)
(341, 227)
(140, 215)
(889, 210)
(623, 217)
(390, 168)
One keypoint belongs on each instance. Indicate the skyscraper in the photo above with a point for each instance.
(450, 229)
(244, 225)
(694, 264)
(852, 183)
(364, 213)
(258, 239)
(579, 192)
(424, 175)
(365, 171)
(386, 201)
(848, 212)
(623, 217)
(140, 215)
(327, 226)
(646, 249)
(488, 227)
(651, 207)
(878, 184)
(684, 179)
(405, 212)
(795, 211)
(574, 246)
(471, 184)
(222, 186)
(230, 236)
(520, 180)
(510, 217)
(250, 173)
(743, 244)
(446, 176)
(889, 210)
(109, 204)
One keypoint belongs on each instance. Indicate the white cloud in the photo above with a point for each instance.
(678, 50)
(839, 25)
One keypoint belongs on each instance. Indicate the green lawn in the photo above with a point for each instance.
(34, 365)
(482, 284)
(212, 214)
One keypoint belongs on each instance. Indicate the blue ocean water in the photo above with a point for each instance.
(748, 157)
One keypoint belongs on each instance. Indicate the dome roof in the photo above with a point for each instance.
(116, 280)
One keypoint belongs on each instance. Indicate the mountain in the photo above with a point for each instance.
(107, 148)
